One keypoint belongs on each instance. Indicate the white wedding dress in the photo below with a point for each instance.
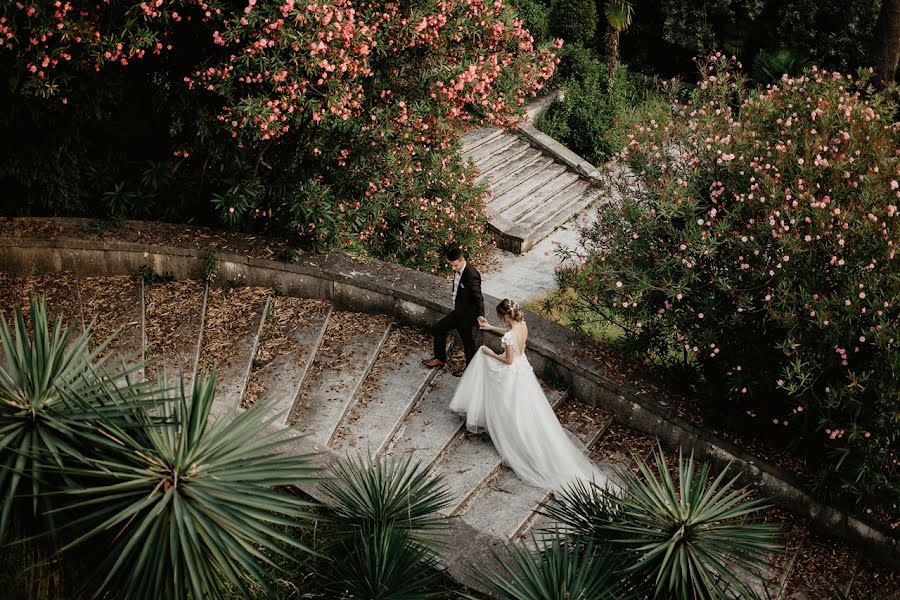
(508, 402)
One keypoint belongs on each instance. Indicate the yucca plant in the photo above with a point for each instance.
(174, 508)
(564, 569)
(382, 517)
(381, 562)
(364, 491)
(53, 388)
(684, 539)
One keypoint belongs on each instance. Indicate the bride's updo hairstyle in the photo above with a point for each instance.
(509, 308)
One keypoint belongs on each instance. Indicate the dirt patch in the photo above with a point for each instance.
(618, 443)
(873, 582)
(59, 289)
(232, 319)
(113, 304)
(172, 325)
(821, 564)
(585, 421)
(146, 232)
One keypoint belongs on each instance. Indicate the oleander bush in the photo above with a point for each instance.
(755, 240)
(334, 124)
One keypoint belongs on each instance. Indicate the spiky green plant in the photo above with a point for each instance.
(684, 539)
(563, 569)
(381, 525)
(174, 509)
(768, 67)
(381, 562)
(53, 388)
(365, 491)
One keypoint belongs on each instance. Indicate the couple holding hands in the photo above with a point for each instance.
(500, 394)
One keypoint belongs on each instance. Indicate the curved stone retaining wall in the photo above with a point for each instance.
(415, 298)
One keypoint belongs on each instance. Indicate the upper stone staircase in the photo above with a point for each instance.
(353, 383)
(536, 184)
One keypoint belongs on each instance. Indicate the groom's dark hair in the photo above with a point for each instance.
(453, 253)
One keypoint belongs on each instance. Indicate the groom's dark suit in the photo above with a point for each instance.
(467, 307)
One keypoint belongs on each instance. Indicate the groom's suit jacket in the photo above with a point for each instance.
(469, 303)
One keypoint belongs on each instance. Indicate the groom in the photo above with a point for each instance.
(468, 305)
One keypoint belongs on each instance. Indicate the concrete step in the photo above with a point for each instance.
(476, 138)
(524, 175)
(503, 156)
(393, 386)
(286, 346)
(231, 330)
(345, 356)
(486, 150)
(499, 172)
(173, 325)
(430, 426)
(548, 197)
(564, 204)
(558, 219)
(115, 303)
(468, 461)
(525, 188)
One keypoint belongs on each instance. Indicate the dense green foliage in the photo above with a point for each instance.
(335, 124)
(756, 237)
(596, 113)
(829, 33)
(575, 21)
(535, 15)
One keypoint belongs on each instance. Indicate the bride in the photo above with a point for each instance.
(500, 393)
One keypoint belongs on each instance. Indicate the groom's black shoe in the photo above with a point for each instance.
(459, 373)
(432, 362)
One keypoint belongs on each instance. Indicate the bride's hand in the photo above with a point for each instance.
(483, 323)
(486, 350)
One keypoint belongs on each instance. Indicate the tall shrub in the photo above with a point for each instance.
(337, 123)
(757, 235)
(575, 21)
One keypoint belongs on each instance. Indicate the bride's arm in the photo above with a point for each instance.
(485, 326)
(505, 358)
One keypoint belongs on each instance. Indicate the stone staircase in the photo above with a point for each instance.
(352, 382)
(536, 184)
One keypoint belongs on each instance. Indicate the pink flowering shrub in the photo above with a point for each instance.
(336, 121)
(757, 235)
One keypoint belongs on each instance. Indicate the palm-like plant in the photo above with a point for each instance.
(176, 507)
(367, 491)
(618, 16)
(382, 519)
(769, 67)
(52, 391)
(562, 570)
(686, 540)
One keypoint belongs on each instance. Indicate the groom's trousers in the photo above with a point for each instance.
(467, 333)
